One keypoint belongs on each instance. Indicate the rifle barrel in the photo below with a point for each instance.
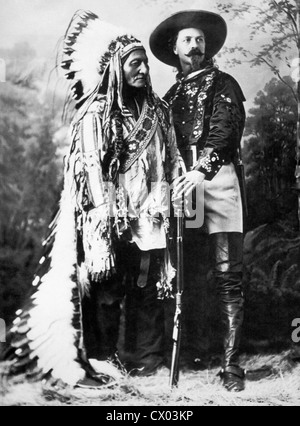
(177, 331)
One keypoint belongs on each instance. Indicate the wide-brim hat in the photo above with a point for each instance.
(212, 24)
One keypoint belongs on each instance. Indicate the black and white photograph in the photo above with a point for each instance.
(149, 205)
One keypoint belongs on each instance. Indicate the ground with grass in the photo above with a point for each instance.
(273, 380)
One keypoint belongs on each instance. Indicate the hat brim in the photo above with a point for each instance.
(213, 26)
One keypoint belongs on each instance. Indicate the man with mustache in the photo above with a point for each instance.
(209, 118)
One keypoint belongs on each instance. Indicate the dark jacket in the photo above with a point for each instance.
(208, 113)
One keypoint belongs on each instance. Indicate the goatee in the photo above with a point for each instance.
(196, 63)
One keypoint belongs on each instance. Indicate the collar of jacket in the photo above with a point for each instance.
(194, 75)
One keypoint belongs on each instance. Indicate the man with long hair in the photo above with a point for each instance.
(110, 235)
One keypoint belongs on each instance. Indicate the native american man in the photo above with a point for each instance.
(209, 118)
(110, 235)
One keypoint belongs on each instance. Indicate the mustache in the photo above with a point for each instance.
(195, 52)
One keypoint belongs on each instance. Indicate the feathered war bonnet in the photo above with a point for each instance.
(92, 57)
(93, 54)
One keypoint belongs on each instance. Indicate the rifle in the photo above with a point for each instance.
(177, 331)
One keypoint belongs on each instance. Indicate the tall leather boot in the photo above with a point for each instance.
(228, 258)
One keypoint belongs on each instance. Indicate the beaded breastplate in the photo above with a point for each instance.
(140, 137)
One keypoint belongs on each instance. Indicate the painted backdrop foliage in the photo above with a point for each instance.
(30, 173)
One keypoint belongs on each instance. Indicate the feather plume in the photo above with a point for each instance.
(106, 368)
(44, 332)
(86, 42)
(51, 318)
(89, 45)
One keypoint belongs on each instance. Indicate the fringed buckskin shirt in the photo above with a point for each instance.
(137, 204)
